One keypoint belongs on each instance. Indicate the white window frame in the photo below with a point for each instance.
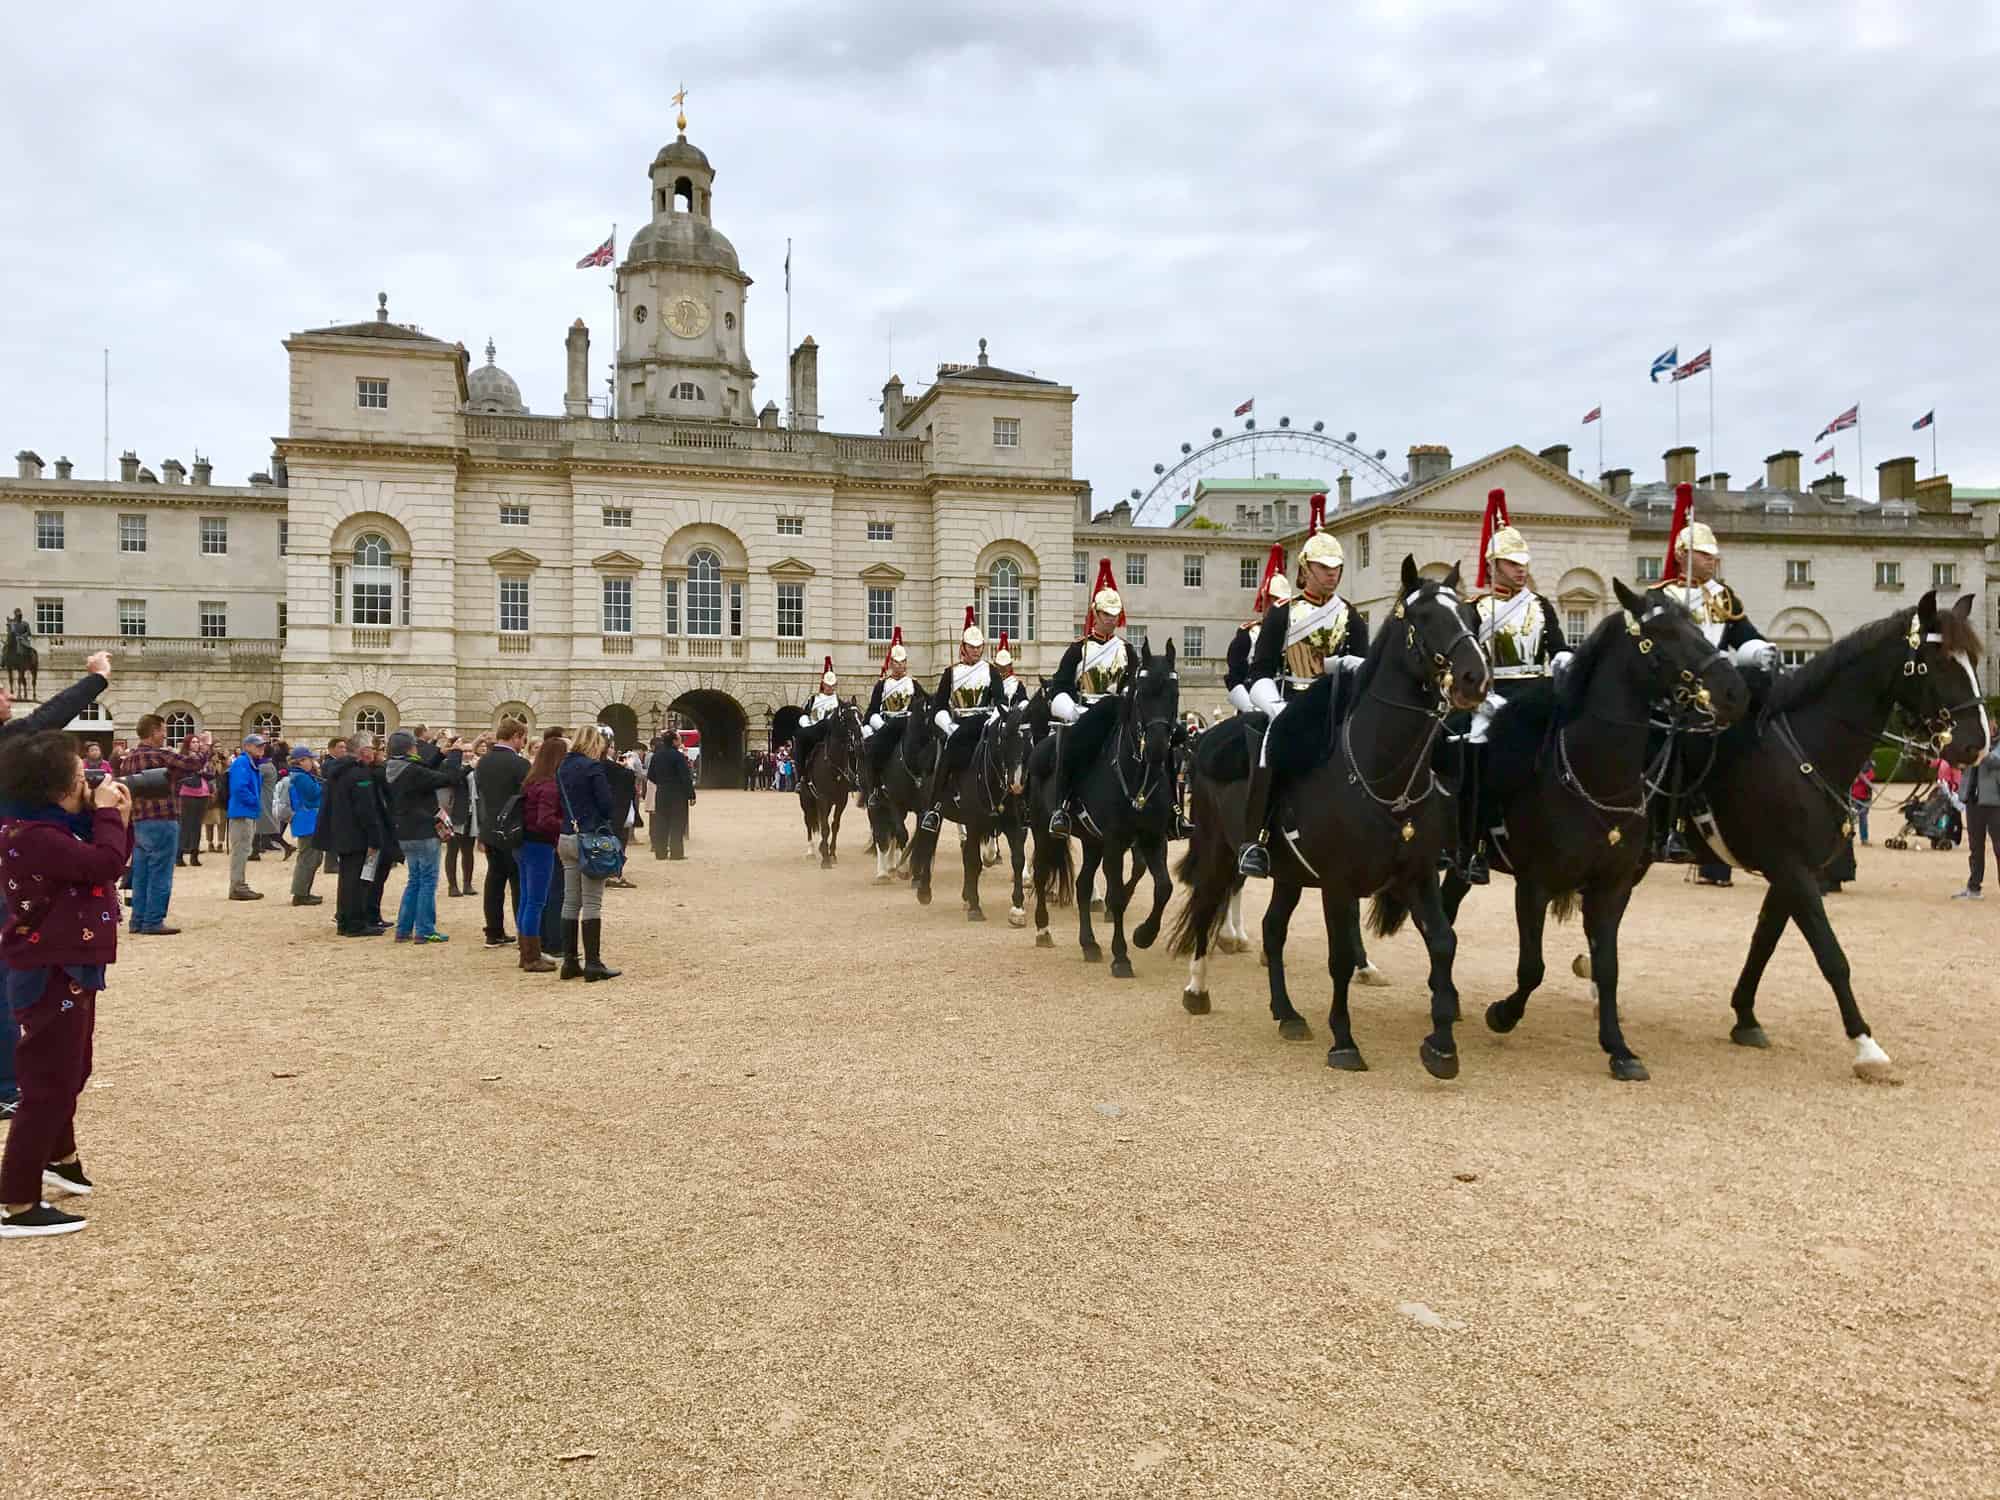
(791, 526)
(881, 615)
(512, 514)
(704, 593)
(618, 516)
(1135, 570)
(611, 607)
(1194, 641)
(1079, 567)
(51, 617)
(1136, 634)
(1888, 575)
(881, 531)
(371, 392)
(791, 611)
(670, 606)
(371, 720)
(131, 612)
(132, 529)
(687, 390)
(213, 533)
(1002, 600)
(216, 611)
(378, 575)
(1364, 548)
(1194, 567)
(1648, 569)
(284, 537)
(514, 582)
(1006, 432)
(735, 610)
(51, 531)
(1576, 625)
(1798, 572)
(1248, 573)
(180, 724)
(1944, 575)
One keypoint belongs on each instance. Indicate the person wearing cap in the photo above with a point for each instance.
(304, 792)
(888, 716)
(818, 709)
(245, 808)
(968, 693)
(1301, 639)
(1273, 588)
(1008, 689)
(1091, 673)
(415, 817)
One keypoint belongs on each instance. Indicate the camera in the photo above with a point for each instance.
(157, 782)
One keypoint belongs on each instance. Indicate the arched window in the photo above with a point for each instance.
(373, 581)
(267, 724)
(371, 721)
(687, 390)
(180, 724)
(704, 593)
(1004, 601)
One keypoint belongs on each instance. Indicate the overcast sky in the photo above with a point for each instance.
(1465, 224)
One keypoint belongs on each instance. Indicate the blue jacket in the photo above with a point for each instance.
(306, 792)
(246, 788)
(587, 789)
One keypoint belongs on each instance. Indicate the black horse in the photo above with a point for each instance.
(1779, 787)
(1122, 785)
(829, 775)
(23, 665)
(1565, 781)
(985, 800)
(1370, 816)
(897, 791)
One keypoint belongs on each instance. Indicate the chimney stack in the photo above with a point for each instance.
(1717, 481)
(63, 468)
(27, 464)
(1429, 461)
(892, 406)
(768, 417)
(173, 471)
(1556, 454)
(1680, 465)
(1830, 486)
(203, 470)
(805, 386)
(576, 388)
(1781, 470)
(1617, 482)
(1896, 479)
(147, 476)
(128, 467)
(280, 476)
(1346, 489)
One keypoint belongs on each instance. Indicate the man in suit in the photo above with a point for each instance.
(672, 777)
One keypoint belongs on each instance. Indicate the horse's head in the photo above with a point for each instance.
(1437, 642)
(845, 736)
(1940, 682)
(1011, 742)
(1154, 704)
(1681, 666)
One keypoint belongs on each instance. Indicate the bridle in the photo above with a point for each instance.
(1439, 674)
(987, 772)
(1142, 730)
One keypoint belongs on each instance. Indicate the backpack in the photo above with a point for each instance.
(281, 804)
(510, 829)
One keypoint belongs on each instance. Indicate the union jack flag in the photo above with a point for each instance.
(1924, 421)
(1844, 421)
(601, 256)
(1826, 457)
(1244, 409)
(1593, 414)
(1694, 366)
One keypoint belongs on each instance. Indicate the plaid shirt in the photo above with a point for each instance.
(149, 757)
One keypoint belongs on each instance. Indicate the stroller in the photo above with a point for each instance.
(1928, 814)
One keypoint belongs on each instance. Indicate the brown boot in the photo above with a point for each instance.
(532, 961)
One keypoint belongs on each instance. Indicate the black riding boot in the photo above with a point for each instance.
(1059, 791)
(572, 964)
(593, 964)
(933, 819)
(1253, 860)
(1472, 864)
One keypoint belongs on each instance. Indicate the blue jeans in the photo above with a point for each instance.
(155, 842)
(1861, 818)
(537, 863)
(418, 915)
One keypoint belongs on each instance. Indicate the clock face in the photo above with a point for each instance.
(687, 317)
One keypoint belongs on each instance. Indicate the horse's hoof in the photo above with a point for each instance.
(1227, 944)
(1372, 977)
(1871, 1063)
(1097, 906)
(1093, 954)
(1347, 1059)
(1144, 933)
(1294, 1029)
(1195, 1002)
(1121, 968)
(885, 880)
(1016, 917)
(1629, 1070)
(974, 914)
(1498, 1020)
(1263, 959)
(1580, 966)
(923, 895)
(1045, 939)
(1438, 1064)
(1749, 1036)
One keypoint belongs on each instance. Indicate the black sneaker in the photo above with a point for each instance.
(39, 1220)
(499, 942)
(66, 1177)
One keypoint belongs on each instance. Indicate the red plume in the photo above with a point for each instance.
(971, 619)
(1496, 517)
(1003, 643)
(1104, 581)
(1273, 566)
(895, 640)
(1683, 514)
(827, 668)
(1316, 521)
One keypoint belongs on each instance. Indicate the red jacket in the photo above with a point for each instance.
(541, 812)
(62, 893)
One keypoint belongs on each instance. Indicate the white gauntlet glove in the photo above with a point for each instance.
(875, 722)
(1559, 664)
(1064, 707)
(944, 721)
(1266, 697)
(1757, 654)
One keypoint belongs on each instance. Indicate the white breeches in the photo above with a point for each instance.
(1239, 699)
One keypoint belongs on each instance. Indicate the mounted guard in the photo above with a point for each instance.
(1273, 588)
(1091, 675)
(22, 661)
(1010, 690)
(968, 696)
(888, 714)
(819, 707)
(1301, 639)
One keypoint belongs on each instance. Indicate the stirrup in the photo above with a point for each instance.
(1059, 820)
(1675, 850)
(1476, 872)
(931, 821)
(1253, 861)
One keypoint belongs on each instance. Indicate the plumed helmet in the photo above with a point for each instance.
(1321, 545)
(1104, 598)
(1003, 657)
(1686, 534)
(972, 635)
(896, 651)
(826, 677)
(1498, 538)
(1697, 538)
(1274, 572)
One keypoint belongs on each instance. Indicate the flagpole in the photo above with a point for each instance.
(1860, 459)
(1600, 442)
(611, 401)
(1677, 411)
(1714, 461)
(791, 417)
(1933, 445)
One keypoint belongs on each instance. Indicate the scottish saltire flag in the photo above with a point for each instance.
(1593, 414)
(1694, 366)
(1842, 422)
(1244, 409)
(1755, 484)
(601, 256)
(1826, 457)
(1924, 421)
(1665, 362)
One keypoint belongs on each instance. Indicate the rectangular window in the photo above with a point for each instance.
(131, 533)
(1028, 614)
(1944, 575)
(1364, 549)
(215, 536)
(1006, 432)
(1794, 656)
(881, 531)
(791, 611)
(1079, 567)
(513, 515)
(1135, 568)
(371, 393)
(1247, 572)
(284, 538)
(618, 515)
(339, 594)
(374, 597)
(48, 617)
(1576, 625)
(48, 531)
(283, 620)
(1798, 572)
(1648, 570)
(736, 609)
(132, 619)
(514, 606)
(1136, 634)
(617, 606)
(1242, 515)
(881, 614)
(670, 607)
(214, 620)
(791, 526)
(403, 599)
(1194, 641)
(1191, 570)
(1888, 575)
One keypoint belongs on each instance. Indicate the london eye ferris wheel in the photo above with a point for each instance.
(1249, 453)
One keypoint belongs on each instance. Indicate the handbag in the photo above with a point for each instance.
(598, 855)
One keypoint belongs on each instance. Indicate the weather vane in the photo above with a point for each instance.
(680, 106)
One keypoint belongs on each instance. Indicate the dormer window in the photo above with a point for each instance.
(687, 390)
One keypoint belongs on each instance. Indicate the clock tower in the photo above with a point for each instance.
(680, 303)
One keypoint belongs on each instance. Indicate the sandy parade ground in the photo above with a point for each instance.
(836, 1195)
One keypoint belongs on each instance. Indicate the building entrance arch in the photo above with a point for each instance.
(623, 722)
(723, 726)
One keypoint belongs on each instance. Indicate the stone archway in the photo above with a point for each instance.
(623, 722)
(723, 726)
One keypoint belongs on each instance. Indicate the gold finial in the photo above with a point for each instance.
(680, 106)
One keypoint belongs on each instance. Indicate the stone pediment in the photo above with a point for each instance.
(617, 562)
(1535, 488)
(790, 567)
(513, 559)
(882, 573)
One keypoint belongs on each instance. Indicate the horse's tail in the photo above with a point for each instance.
(1562, 905)
(923, 850)
(1055, 874)
(1208, 871)
(1387, 913)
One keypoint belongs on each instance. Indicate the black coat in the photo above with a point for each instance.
(58, 711)
(672, 775)
(499, 776)
(586, 791)
(350, 812)
(413, 788)
(624, 790)
(1237, 661)
(1267, 658)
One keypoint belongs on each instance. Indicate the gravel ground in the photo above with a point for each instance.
(834, 1195)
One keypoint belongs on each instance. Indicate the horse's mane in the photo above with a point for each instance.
(1575, 688)
(1378, 647)
(1812, 680)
